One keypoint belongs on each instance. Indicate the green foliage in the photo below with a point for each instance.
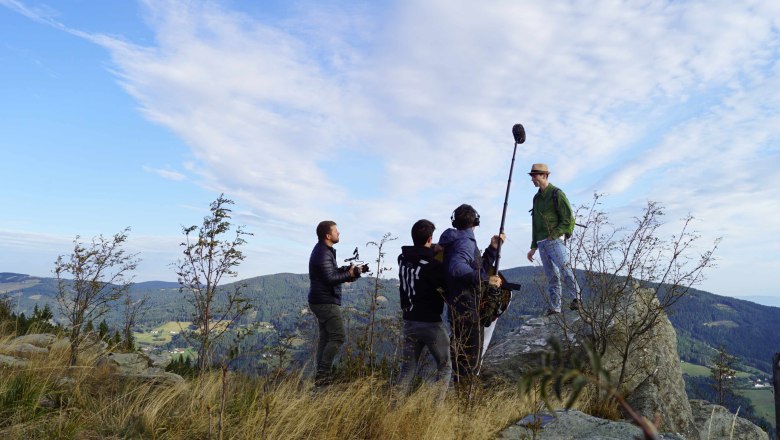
(183, 366)
(40, 322)
(19, 395)
(723, 375)
(103, 329)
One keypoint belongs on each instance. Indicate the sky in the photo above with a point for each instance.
(376, 114)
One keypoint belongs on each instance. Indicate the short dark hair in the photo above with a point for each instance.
(422, 230)
(464, 217)
(323, 228)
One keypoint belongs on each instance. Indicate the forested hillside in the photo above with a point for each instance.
(703, 320)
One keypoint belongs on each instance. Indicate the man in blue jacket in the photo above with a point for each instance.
(421, 289)
(466, 276)
(325, 297)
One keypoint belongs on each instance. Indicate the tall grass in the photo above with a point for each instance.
(50, 400)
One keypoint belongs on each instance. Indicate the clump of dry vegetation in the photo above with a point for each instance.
(49, 399)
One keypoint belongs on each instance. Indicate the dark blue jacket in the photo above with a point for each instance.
(465, 268)
(325, 276)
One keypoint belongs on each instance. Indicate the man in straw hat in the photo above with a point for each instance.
(553, 221)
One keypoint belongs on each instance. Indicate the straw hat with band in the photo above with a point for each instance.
(539, 168)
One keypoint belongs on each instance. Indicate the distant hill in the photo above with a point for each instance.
(703, 320)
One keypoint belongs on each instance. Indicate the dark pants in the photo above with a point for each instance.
(416, 336)
(467, 336)
(332, 336)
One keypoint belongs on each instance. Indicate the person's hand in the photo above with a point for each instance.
(494, 240)
(437, 248)
(494, 281)
(353, 270)
(531, 255)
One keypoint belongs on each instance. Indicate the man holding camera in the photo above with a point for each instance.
(421, 287)
(326, 278)
(466, 273)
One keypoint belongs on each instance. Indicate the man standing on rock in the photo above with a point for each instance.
(553, 221)
(466, 279)
(326, 278)
(421, 287)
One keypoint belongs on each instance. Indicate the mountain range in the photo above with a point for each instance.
(703, 320)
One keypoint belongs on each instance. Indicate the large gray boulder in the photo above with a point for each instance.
(654, 386)
(576, 425)
(716, 423)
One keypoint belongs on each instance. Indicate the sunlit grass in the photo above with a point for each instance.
(50, 400)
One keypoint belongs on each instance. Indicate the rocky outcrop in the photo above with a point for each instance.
(571, 425)
(138, 366)
(654, 386)
(717, 423)
(18, 352)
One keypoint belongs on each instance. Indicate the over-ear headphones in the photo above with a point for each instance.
(464, 216)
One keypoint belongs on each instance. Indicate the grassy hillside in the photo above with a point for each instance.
(49, 400)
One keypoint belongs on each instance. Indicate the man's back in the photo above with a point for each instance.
(421, 276)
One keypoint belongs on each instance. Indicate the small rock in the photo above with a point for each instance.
(10, 361)
(43, 340)
(25, 350)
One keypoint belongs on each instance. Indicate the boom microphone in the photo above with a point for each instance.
(519, 133)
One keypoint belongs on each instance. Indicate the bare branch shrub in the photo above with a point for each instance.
(89, 280)
(632, 276)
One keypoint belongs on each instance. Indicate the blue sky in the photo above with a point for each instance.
(375, 114)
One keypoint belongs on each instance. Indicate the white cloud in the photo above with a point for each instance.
(668, 101)
(166, 173)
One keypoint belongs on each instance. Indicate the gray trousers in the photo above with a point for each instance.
(416, 336)
(332, 335)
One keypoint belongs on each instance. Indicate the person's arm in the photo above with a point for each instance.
(329, 272)
(565, 217)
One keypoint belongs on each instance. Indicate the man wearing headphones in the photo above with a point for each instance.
(465, 274)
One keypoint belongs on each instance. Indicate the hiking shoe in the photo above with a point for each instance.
(575, 304)
(551, 312)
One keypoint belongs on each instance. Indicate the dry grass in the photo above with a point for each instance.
(49, 400)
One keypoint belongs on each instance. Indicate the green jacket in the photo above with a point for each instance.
(546, 222)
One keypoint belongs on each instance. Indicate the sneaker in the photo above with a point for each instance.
(575, 304)
(551, 312)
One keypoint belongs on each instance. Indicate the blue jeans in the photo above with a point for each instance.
(416, 336)
(555, 260)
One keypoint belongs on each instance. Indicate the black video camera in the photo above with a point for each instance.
(355, 261)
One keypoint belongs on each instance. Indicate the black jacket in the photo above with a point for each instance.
(325, 276)
(421, 276)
